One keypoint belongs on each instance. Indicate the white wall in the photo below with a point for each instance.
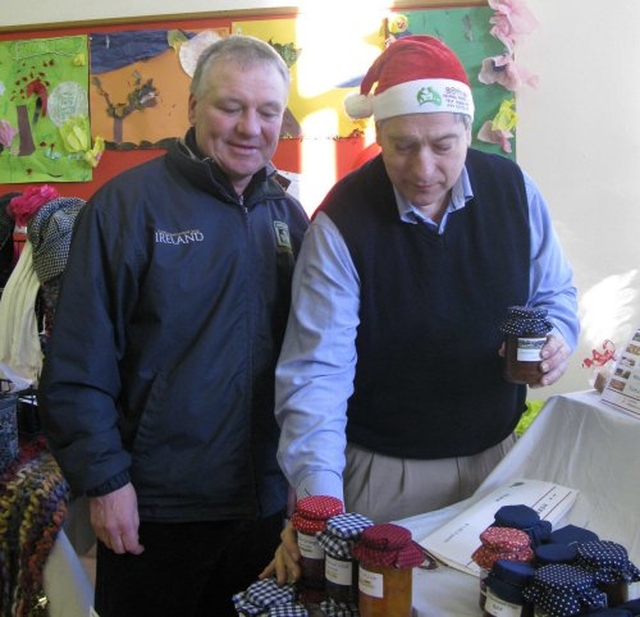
(66, 11)
(578, 137)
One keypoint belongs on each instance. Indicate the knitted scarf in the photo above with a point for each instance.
(33, 502)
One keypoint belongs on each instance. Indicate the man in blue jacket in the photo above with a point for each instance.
(158, 386)
(389, 389)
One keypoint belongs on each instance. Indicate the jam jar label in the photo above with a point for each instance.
(501, 608)
(371, 583)
(529, 349)
(338, 571)
(309, 546)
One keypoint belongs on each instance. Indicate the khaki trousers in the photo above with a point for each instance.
(388, 489)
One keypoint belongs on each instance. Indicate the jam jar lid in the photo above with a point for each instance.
(388, 545)
(519, 516)
(555, 553)
(609, 560)
(570, 534)
(522, 320)
(563, 589)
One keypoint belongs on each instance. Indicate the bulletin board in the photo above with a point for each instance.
(136, 78)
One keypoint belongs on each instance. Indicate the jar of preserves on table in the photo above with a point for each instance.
(563, 590)
(341, 567)
(609, 563)
(505, 586)
(386, 554)
(309, 519)
(499, 543)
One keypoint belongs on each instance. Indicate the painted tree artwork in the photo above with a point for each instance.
(140, 84)
(44, 123)
(143, 95)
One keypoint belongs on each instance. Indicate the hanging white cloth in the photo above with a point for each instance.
(20, 351)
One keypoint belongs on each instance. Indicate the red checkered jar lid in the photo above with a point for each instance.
(388, 545)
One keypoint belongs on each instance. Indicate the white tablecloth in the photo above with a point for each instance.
(577, 441)
(66, 582)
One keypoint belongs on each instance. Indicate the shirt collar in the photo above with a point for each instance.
(460, 194)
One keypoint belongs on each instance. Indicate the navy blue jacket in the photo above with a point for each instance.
(169, 323)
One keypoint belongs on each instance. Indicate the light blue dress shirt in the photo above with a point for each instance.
(314, 378)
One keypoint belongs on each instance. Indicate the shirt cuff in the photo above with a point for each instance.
(321, 483)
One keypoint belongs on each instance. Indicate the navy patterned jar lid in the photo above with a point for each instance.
(335, 547)
(348, 525)
(267, 592)
(570, 534)
(332, 608)
(561, 590)
(262, 594)
(288, 610)
(608, 560)
(612, 612)
(507, 579)
(520, 516)
(514, 572)
(556, 553)
(342, 530)
(522, 320)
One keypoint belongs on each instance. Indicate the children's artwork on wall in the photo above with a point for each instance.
(468, 32)
(45, 134)
(140, 84)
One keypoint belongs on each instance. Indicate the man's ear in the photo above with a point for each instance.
(192, 109)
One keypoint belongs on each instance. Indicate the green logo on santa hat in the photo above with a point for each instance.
(428, 95)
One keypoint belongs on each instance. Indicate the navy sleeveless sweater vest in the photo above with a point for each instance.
(428, 380)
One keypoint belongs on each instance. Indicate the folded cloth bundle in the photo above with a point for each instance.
(260, 596)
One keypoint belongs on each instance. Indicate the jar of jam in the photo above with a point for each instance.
(386, 555)
(609, 563)
(499, 543)
(309, 519)
(505, 586)
(562, 589)
(526, 332)
(341, 567)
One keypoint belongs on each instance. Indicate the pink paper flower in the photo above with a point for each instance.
(504, 71)
(24, 206)
(491, 136)
(511, 21)
(520, 18)
(7, 133)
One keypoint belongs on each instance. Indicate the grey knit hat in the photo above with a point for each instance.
(49, 232)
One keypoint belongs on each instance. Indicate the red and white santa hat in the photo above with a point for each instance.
(415, 74)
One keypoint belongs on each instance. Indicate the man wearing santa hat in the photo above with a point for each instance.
(390, 392)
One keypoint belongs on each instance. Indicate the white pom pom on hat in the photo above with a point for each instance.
(359, 106)
(415, 74)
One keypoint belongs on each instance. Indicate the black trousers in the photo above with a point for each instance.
(186, 569)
